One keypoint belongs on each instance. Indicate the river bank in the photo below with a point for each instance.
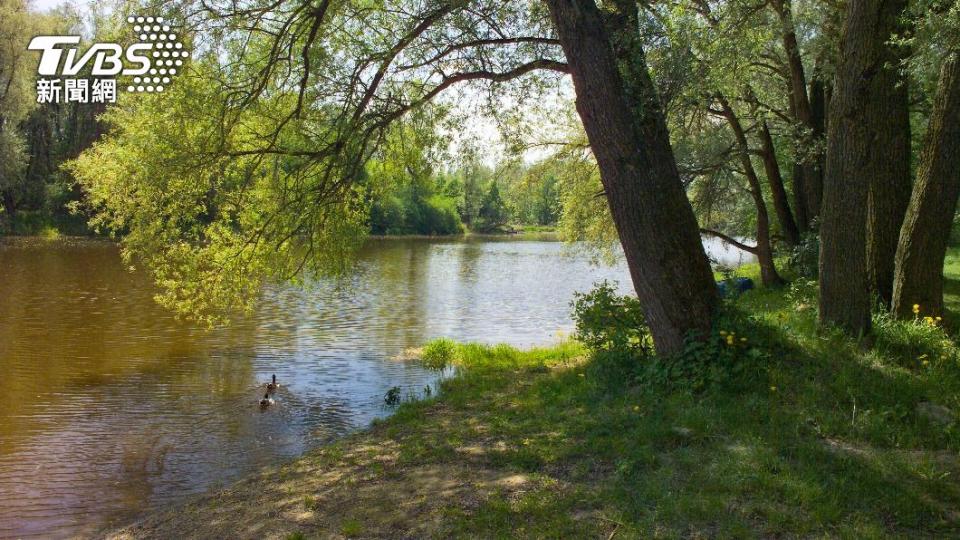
(818, 436)
(114, 407)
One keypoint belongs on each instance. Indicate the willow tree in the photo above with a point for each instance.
(854, 152)
(926, 229)
(931, 212)
(891, 177)
(729, 79)
(303, 93)
(625, 125)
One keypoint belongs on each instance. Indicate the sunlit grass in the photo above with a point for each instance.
(829, 441)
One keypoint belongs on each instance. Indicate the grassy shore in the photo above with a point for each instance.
(815, 436)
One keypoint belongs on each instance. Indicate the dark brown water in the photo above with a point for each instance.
(111, 407)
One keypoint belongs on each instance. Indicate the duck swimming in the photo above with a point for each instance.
(271, 386)
(266, 401)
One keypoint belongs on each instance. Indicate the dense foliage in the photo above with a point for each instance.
(36, 139)
(296, 130)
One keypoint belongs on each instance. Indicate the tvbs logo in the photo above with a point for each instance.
(151, 63)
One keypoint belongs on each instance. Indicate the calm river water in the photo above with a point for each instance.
(111, 407)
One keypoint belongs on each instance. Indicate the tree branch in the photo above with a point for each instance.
(730, 240)
(479, 43)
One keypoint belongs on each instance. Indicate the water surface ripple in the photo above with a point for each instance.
(112, 407)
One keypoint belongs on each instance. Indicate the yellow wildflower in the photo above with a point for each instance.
(729, 340)
(743, 340)
(636, 407)
(723, 332)
(916, 308)
(773, 388)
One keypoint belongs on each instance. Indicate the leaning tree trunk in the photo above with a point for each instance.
(771, 167)
(624, 122)
(923, 238)
(768, 270)
(891, 182)
(807, 175)
(852, 152)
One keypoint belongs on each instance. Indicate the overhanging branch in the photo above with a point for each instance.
(730, 240)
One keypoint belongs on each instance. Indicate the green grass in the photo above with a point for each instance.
(351, 528)
(826, 439)
(815, 436)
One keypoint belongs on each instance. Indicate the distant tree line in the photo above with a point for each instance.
(36, 139)
(472, 197)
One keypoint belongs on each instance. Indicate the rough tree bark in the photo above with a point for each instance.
(807, 172)
(818, 103)
(891, 176)
(788, 224)
(923, 238)
(9, 204)
(621, 114)
(768, 270)
(799, 186)
(851, 150)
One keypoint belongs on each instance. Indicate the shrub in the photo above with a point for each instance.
(388, 216)
(439, 216)
(608, 321)
(438, 353)
(805, 256)
(728, 358)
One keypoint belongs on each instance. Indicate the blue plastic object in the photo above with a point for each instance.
(734, 286)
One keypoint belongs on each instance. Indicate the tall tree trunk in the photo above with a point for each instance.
(768, 270)
(9, 208)
(808, 176)
(816, 163)
(818, 106)
(852, 151)
(624, 122)
(777, 190)
(800, 198)
(923, 238)
(890, 186)
(799, 185)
